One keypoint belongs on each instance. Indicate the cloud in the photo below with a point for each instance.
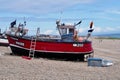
(106, 30)
(98, 29)
(38, 6)
(51, 32)
(48, 32)
(114, 11)
(83, 30)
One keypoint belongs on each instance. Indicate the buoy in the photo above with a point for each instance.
(26, 57)
(80, 39)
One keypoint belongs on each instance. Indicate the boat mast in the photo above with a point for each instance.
(58, 25)
(24, 22)
(0, 30)
(38, 32)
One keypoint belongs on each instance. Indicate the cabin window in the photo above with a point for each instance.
(71, 30)
(64, 31)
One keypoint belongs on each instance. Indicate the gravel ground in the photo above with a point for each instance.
(16, 68)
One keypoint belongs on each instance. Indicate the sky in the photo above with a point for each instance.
(43, 14)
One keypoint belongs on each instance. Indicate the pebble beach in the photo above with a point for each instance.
(14, 67)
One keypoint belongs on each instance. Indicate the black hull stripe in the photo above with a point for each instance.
(4, 44)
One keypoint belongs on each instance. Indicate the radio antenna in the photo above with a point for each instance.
(61, 15)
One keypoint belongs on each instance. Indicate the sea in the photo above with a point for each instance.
(109, 35)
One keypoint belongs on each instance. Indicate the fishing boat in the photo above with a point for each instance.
(68, 43)
(3, 39)
(4, 42)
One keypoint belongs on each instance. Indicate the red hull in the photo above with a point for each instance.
(52, 46)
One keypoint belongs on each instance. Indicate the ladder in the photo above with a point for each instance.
(32, 47)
